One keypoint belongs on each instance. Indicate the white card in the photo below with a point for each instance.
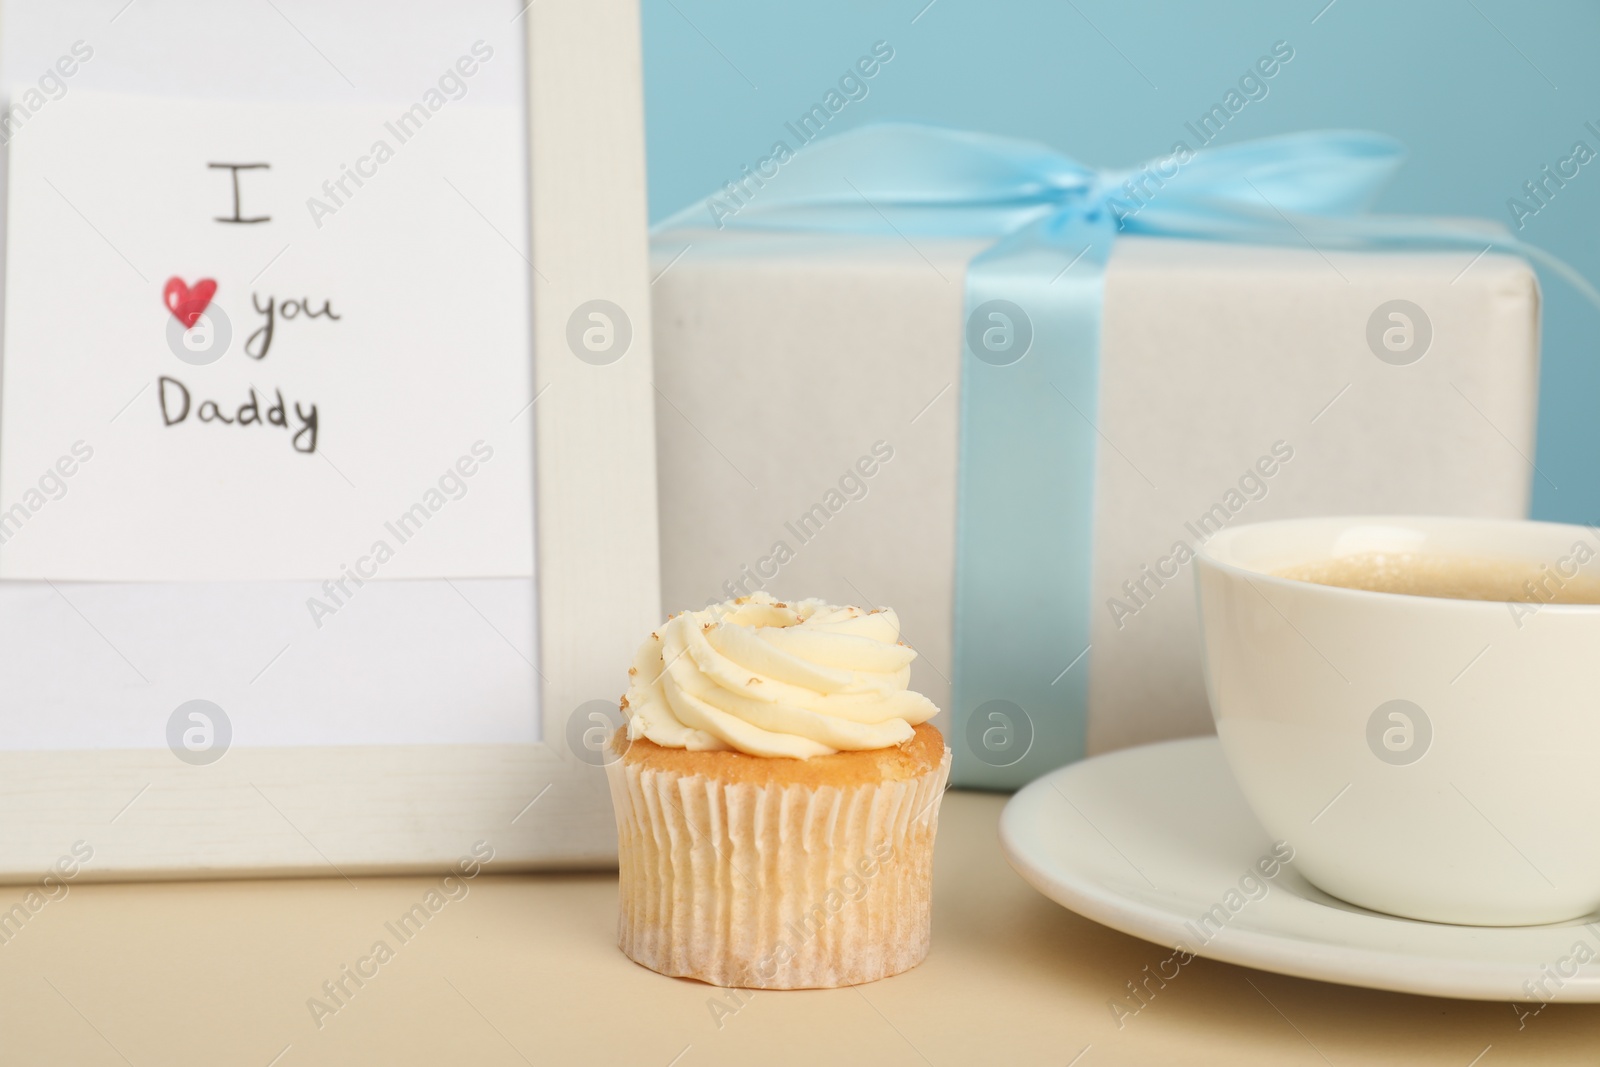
(375, 424)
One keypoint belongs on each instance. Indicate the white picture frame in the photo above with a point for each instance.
(351, 810)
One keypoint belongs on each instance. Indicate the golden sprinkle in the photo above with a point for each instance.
(624, 704)
(632, 671)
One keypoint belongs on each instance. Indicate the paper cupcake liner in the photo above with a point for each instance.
(777, 886)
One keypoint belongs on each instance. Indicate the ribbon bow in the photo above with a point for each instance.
(1032, 336)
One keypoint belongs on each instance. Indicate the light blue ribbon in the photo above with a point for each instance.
(1030, 360)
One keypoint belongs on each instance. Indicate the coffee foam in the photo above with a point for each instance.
(1449, 577)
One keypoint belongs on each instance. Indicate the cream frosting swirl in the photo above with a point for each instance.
(768, 678)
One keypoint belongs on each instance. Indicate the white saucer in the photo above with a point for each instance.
(1147, 840)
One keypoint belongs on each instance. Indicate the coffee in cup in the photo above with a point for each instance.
(1414, 705)
(1450, 577)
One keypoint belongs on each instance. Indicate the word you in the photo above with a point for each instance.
(51, 888)
(852, 86)
(451, 485)
(189, 304)
(52, 485)
(451, 85)
(852, 486)
(1152, 177)
(259, 343)
(1252, 887)
(1543, 188)
(338, 991)
(1551, 581)
(25, 103)
(176, 403)
(1139, 591)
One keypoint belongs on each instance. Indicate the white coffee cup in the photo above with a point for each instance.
(1432, 758)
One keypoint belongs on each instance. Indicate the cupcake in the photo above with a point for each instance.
(777, 793)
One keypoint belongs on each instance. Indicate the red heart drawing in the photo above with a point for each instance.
(186, 303)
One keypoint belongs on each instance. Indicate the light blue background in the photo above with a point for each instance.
(1484, 93)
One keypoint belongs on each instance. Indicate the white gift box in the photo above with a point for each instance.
(808, 419)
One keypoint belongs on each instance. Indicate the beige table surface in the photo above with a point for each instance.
(525, 969)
